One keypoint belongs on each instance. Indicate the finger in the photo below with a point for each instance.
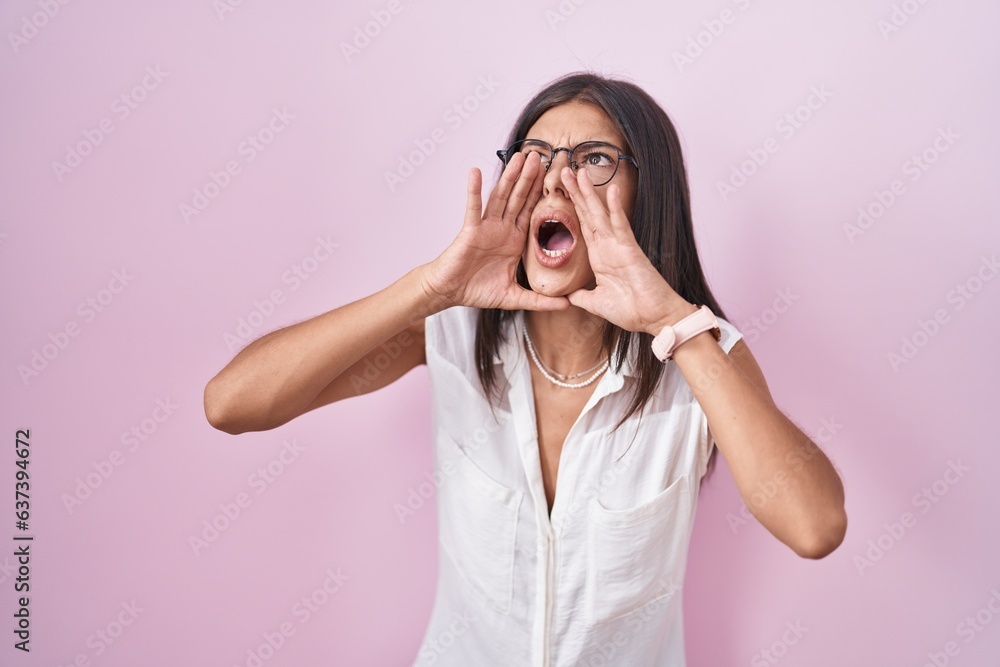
(523, 221)
(522, 188)
(498, 198)
(474, 197)
(583, 298)
(529, 300)
(619, 221)
(590, 217)
(595, 207)
(573, 187)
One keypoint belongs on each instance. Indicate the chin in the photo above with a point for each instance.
(557, 282)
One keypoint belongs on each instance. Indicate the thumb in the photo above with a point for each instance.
(584, 298)
(529, 300)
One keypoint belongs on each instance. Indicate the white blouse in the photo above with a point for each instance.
(598, 584)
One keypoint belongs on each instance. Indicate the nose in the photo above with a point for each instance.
(553, 180)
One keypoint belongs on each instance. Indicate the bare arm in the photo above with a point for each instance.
(765, 449)
(324, 359)
(293, 370)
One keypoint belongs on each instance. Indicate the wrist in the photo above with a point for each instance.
(671, 317)
(680, 333)
(434, 299)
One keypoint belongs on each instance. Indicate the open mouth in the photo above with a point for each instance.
(554, 238)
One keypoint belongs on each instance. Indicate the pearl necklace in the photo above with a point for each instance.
(534, 357)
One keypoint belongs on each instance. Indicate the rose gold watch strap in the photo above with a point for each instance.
(702, 319)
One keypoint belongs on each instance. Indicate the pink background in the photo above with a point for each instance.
(162, 336)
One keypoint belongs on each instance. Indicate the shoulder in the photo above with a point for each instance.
(450, 336)
(453, 327)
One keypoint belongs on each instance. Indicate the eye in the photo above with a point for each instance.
(595, 155)
(597, 158)
(544, 150)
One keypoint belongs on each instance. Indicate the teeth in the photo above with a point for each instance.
(555, 253)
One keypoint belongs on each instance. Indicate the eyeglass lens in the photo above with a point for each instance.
(599, 159)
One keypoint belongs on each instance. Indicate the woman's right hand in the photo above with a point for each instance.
(478, 268)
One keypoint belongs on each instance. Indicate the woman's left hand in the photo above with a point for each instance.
(630, 292)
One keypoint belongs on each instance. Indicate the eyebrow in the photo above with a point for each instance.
(604, 141)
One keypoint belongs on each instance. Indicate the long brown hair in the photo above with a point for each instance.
(660, 219)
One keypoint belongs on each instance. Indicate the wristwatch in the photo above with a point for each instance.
(672, 336)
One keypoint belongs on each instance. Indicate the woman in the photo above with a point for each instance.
(582, 375)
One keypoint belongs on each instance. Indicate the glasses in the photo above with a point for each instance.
(599, 158)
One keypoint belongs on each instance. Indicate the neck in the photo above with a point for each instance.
(567, 341)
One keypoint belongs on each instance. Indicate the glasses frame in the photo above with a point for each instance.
(505, 154)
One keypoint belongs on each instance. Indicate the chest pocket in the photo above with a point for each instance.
(636, 556)
(478, 526)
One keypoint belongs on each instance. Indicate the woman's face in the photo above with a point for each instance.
(567, 125)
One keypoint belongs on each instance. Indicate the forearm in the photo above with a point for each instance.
(275, 378)
(765, 450)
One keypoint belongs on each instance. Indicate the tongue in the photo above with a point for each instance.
(559, 240)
